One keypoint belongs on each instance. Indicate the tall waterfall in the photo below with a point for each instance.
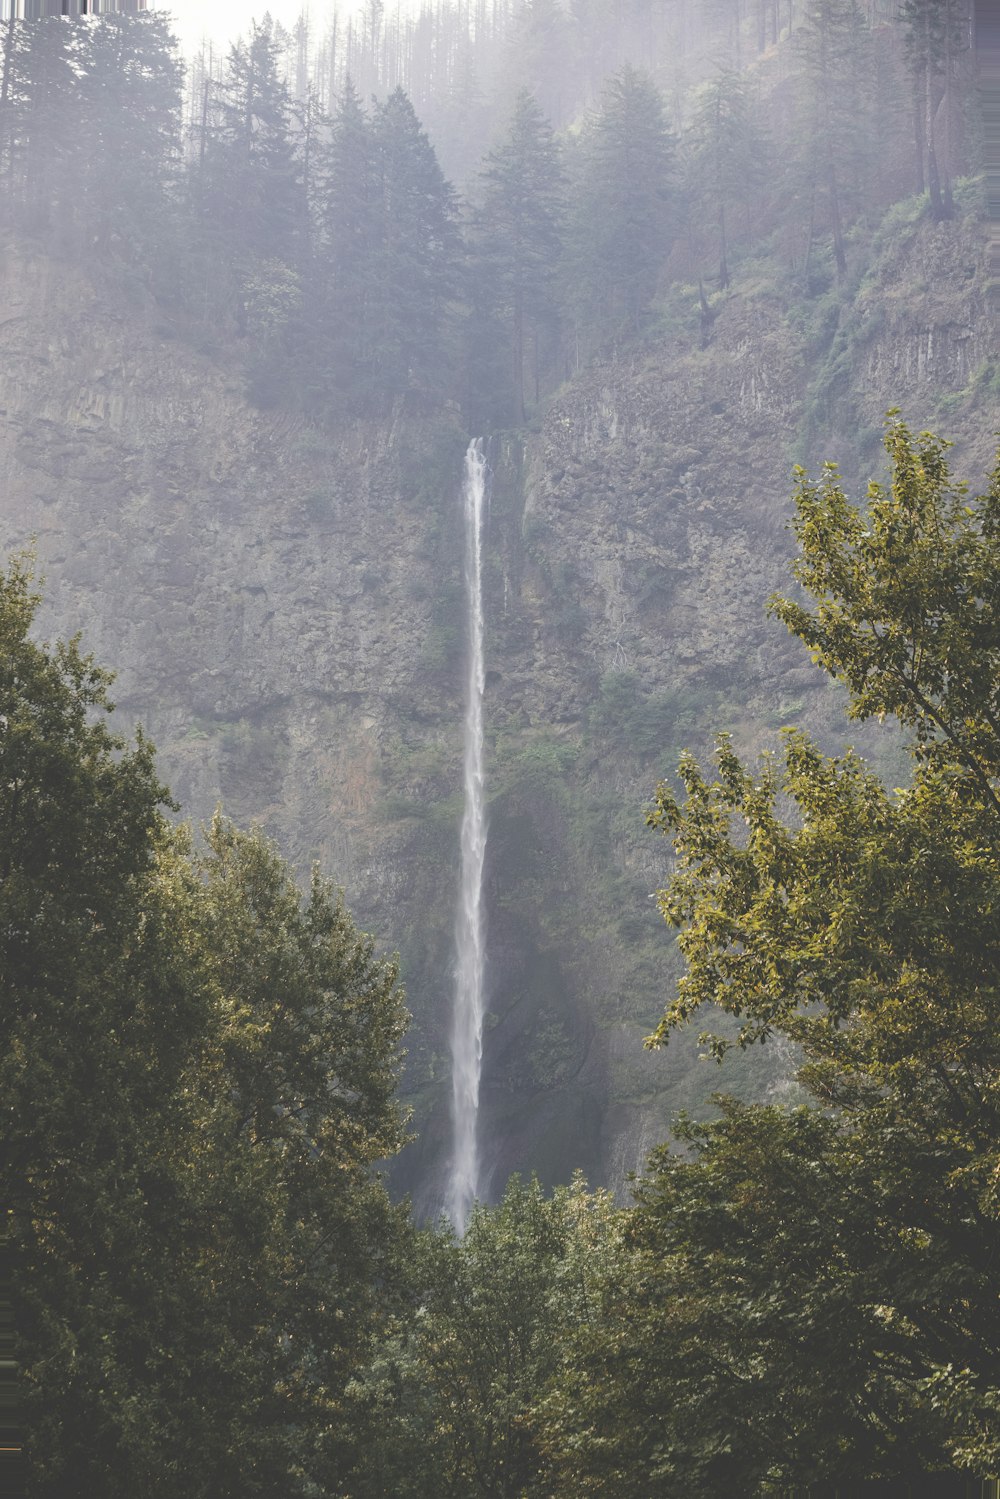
(467, 1023)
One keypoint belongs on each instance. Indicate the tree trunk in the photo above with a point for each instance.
(933, 178)
(918, 134)
(839, 253)
(947, 163)
(519, 354)
(723, 248)
(811, 235)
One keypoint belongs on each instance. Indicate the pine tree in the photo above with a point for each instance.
(519, 229)
(623, 228)
(129, 125)
(348, 230)
(933, 39)
(836, 107)
(729, 156)
(254, 196)
(413, 273)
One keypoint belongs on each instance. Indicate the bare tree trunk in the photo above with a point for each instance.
(918, 134)
(519, 355)
(933, 178)
(812, 233)
(723, 247)
(947, 162)
(839, 253)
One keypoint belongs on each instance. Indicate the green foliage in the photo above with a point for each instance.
(645, 725)
(448, 1403)
(863, 929)
(623, 205)
(729, 155)
(198, 1080)
(531, 765)
(518, 239)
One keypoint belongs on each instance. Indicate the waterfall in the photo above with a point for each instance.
(467, 1022)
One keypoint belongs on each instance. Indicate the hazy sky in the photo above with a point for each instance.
(223, 20)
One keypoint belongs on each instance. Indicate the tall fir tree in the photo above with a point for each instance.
(519, 240)
(414, 266)
(837, 117)
(624, 204)
(254, 198)
(728, 155)
(348, 222)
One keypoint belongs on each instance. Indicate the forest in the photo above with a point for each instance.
(214, 1292)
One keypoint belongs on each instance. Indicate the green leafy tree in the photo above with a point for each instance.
(807, 1295)
(451, 1401)
(196, 1084)
(87, 1054)
(733, 1343)
(294, 1105)
(865, 932)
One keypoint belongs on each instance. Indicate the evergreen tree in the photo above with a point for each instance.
(413, 274)
(197, 1080)
(729, 154)
(540, 57)
(836, 104)
(129, 129)
(349, 226)
(43, 145)
(623, 226)
(254, 198)
(519, 237)
(933, 39)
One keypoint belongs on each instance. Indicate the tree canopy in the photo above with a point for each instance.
(860, 923)
(198, 1078)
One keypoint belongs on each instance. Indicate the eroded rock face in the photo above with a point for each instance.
(283, 606)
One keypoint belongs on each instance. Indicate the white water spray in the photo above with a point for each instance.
(467, 1023)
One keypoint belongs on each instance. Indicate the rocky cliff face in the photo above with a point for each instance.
(283, 606)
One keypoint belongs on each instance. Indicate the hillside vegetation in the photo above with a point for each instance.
(657, 256)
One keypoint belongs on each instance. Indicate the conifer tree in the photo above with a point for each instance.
(933, 39)
(836, 107)
(519, 229)
(623, 223)
(348, 232)
(255, 199)
(729, 158)
(414, 266)
(129, 129)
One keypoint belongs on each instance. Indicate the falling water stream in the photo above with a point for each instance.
(467, 1022)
